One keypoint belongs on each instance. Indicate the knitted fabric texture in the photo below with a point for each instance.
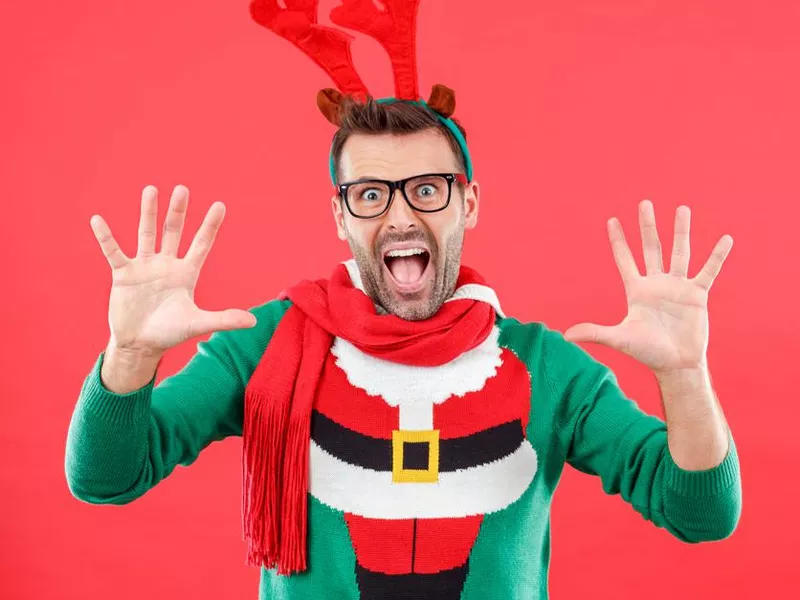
(281, 392)
(424, 482)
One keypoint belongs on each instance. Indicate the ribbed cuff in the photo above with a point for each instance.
(709, 482)
(120, 408)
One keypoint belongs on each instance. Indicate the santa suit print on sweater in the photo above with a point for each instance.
(416, 456)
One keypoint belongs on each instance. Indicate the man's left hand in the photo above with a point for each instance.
(667, 323)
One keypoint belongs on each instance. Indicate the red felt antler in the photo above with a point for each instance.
(328, 47)
(395, 28)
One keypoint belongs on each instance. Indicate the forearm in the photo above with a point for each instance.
(607, 434)
(107, 441)
(127, 434)
(697, 433)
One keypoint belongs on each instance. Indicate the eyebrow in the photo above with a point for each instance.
(365, 178)
(370, 176)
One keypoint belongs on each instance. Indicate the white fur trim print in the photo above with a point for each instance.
(399, 384)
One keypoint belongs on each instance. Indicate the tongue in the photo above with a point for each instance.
(407, 269)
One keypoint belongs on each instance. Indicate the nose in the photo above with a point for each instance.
(400, 216)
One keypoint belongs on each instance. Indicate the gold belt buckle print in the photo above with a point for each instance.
(400, 449)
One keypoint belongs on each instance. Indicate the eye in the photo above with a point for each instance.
(427, 190)
(371, 194)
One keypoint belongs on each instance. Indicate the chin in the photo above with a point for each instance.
(416, 308)
(412, 313)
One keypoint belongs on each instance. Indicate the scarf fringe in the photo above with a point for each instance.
(263, 436)
(294, 507)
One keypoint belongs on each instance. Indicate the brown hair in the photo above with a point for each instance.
(373, 117)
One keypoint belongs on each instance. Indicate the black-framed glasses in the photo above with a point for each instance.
(427, 193)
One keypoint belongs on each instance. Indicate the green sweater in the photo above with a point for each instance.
(120, 446)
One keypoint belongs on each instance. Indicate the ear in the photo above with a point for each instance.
(329, 102)
(442, 100)
(472, 193)
(338, 216)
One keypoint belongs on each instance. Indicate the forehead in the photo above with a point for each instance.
(395, 156)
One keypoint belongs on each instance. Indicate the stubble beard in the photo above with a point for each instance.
(445, 276)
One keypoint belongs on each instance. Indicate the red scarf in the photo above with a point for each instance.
(279, 396)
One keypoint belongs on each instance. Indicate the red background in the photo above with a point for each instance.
(576, 110)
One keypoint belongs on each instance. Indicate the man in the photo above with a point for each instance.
(127, 435)
(402, 437)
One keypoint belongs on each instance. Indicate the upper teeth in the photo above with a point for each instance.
(408, 252)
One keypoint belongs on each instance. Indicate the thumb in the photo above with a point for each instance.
(589, 332)
(207, 321)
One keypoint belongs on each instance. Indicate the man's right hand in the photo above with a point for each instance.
(152, 308)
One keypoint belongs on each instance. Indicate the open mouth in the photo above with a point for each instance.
(407, 268)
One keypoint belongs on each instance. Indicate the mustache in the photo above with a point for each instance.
(391, 238)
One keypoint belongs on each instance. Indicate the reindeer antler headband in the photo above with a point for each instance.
(395, 28)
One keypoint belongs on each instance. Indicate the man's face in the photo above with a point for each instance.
(411, 287)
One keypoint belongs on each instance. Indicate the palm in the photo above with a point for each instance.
(666, 323)
(666, 327)
(150, 295)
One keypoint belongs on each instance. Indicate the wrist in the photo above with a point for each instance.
(132, 357)
(689, 376)
(124, 371)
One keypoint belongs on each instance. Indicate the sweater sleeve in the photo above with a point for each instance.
(119, 446)
(605, 433)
